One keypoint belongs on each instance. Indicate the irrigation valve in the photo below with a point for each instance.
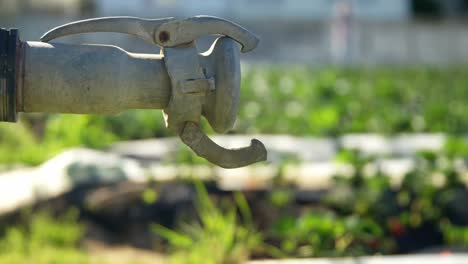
(101, 79)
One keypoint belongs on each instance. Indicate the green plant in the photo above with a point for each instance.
(456, 147)
(325, 234)
(44, 240)
(428, 195)
(455, 234)
(219, 237)
(335, 101)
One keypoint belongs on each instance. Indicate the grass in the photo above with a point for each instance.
(219, 236)
(43, 239)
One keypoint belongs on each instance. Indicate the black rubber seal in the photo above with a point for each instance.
(8, 45)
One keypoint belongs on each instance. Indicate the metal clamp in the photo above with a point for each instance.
(195, 92)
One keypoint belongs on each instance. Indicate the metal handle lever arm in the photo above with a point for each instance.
(142, 28)
(165, 32)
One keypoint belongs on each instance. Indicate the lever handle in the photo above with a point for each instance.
(139, 27)
(201, 144)
(178, 32)
(165, 32)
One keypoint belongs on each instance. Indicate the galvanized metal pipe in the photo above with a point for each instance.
(97, 79)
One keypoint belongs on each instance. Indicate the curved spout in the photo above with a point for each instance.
(201, 144)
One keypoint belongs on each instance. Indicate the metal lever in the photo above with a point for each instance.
(165, 32)
(138, 27)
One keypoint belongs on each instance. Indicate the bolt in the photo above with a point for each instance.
(164, 36)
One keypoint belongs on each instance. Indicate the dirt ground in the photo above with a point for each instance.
(122, 254)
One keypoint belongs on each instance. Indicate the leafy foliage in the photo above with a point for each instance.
(44, 240)
(219, 237)
(371, 213)
(336, 101)
(328, 234)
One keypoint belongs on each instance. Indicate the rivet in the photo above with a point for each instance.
(164, 36)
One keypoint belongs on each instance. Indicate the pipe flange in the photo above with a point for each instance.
(8, 44)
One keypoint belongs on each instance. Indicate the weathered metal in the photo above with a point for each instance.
(165, 32)
(90, 79)
(8, 45)
(101, 79)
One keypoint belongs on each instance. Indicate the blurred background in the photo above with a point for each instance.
(292, 31)
(360, 103)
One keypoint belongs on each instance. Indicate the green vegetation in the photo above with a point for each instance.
(219, 237)
(366, 214)
(324, 233)
(43, 239)
(304, 101)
